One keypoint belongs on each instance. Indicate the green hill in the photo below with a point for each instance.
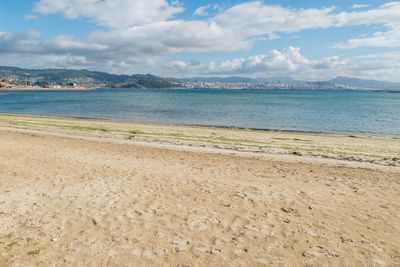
(61, 76)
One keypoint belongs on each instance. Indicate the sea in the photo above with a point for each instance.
(337, 112)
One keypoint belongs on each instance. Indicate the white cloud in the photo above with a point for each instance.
(254, 18)
(385, 14)
(355, 6)
(202, 11)
(48, 61)
(112, 13)
(149, 22)
(395, 55)
(290, 62)
(177, 65)
(391, 38)
(22, 43)
(31, 43)
(141, 32)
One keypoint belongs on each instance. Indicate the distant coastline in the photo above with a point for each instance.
(386, 91)
(17, 77)
(49, 89)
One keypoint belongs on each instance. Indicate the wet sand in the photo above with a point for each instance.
(79, 192)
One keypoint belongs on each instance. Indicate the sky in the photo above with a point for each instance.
(309, 39)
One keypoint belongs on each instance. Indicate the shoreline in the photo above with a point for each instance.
(295, 157)
(371, 151)
(337, 134)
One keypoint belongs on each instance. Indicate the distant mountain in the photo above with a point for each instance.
(334, 83)
(59, 75)
(368, 84)
(86, 76)
(278, 79)
(96, 78)
(236, 79)
(222, 80)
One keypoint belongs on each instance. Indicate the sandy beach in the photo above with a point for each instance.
(96, 193)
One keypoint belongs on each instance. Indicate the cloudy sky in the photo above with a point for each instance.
(308, 39)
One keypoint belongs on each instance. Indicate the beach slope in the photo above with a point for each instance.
(75, 196)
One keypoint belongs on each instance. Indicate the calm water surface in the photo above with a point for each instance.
(347, 112)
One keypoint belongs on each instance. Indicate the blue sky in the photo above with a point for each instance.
(310, 40)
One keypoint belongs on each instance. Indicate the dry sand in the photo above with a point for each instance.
(127, 195)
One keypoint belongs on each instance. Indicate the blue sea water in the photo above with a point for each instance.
(345, 112)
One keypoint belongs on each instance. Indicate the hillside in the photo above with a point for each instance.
(62, 76)
(103, 79)
(361, 83)
(237, 79)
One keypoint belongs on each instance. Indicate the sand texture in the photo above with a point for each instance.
(73, 196)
